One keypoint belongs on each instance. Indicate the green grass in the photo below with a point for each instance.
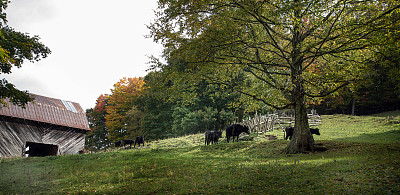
(362, 158)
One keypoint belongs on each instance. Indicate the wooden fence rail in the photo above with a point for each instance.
(263, 123)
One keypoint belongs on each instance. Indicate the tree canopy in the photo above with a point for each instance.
(120, 102)
(97, 138)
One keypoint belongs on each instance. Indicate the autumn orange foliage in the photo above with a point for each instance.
(119, 103)
(101, 103)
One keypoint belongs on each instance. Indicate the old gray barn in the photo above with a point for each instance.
(46, 127)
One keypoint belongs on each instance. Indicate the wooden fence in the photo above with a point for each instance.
(263, 123)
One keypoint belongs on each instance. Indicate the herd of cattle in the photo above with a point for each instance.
(213, 136)
(121, 143)
(236, 129)
(289, 132)
(232, 131)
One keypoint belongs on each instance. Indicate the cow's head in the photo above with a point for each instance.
(246, 129)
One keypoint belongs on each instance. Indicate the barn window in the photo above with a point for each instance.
(40, 149)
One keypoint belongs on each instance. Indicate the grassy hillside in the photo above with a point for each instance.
(362, 156)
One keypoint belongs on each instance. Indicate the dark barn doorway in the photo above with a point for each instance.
(40, 149)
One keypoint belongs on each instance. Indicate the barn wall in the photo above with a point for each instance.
(14, 133)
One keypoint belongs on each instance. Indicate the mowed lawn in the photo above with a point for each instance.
(359, 155)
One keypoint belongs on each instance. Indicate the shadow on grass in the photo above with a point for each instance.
(383, 137)
(346, 168)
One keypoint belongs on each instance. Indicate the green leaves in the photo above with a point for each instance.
(8, 90)
(288, 52)
(191, 122)
(97, 138)
(15, 48)
(272, 41)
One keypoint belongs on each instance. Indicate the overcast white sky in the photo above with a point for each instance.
(94, 43)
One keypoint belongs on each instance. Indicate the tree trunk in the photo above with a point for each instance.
(302, 140)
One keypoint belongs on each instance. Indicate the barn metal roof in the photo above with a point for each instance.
(49, 110)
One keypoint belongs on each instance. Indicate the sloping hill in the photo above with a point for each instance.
(361, 157)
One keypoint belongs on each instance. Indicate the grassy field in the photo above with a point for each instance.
(362, 157)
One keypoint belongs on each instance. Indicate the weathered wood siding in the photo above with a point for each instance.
(14, 133)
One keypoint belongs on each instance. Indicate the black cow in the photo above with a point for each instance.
(139, 140)
(118, 143)
(129, 141)
(209, 137)
(315, 131)
(212, 136)
(235, 130)
(218, 135)
(289, 132)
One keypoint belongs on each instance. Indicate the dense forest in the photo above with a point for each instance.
(225, 60)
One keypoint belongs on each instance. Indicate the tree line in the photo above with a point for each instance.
(153, 106)
(166, 104)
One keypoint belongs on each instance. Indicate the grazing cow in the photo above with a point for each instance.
(118, 143)
(315, 131)
(218, 135)
(139, 140)
(129, 141)
(212, 136)
(209, 137)
(236, 130)
(289, 132)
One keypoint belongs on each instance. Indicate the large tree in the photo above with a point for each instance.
(293, 51)
(15, 48)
